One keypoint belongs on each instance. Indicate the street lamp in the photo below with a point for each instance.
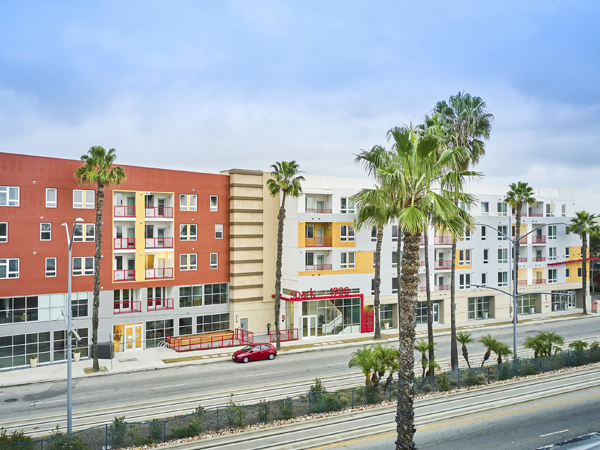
(67, 317)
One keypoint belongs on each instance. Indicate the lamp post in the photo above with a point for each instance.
(67, 316)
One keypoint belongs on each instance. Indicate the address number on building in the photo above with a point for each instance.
(340, 291)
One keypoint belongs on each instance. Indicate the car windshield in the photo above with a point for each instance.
(247, 348)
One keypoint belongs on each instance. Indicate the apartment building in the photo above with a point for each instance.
(165, 257)
(328, 265)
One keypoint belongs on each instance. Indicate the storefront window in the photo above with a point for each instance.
(525, 303)
(479, 307)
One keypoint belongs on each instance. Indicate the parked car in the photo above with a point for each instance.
(254, 352)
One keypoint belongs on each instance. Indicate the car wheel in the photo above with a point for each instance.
(271, 356)
(245, 360)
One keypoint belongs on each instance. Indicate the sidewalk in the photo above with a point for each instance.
(159, 358)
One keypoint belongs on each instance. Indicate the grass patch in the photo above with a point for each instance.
(89, 370)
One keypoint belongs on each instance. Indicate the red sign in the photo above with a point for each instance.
(340, 291)
(334, 292)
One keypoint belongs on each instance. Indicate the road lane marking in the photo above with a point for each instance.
(48, 401)
(167, 387)
(338, 364)
(556, 432)
(261, 374)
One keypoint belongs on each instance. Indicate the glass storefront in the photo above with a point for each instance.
(330, 317)
(563, 301)
(526, 304)
(422, 312)
(479, 307)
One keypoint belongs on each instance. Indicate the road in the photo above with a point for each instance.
(163, 393)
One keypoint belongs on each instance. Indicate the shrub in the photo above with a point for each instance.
(118, 431)
(470, 378)
(235, 413)
(15, 436)
(286, 409)
(505, 371)
(594, 345)
(443, 382)
(185, 431)
(58, 441)
(156, 429)
(263, 410)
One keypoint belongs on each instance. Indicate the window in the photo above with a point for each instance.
(50, 197)
(90, 232)
(502, 279)
(216, 294)
(525, 303)
(185, 326)
(567, 252)
(214, 260)
(346, 233)
(552, 232)
(346, 205)
(214, 202)
(551, 275)
(3, 232)
(464, 257)
(83, 265)
(123, 302)
(213, 322)
(374, 260)
(50, 267)
(395, 285)
(386, 314)
(464, 281)
(156, 331)
(394, 233)
(567, 232)
(463, 206)
(9, 196)
(579, 272)
(218, 231)
(564, 210)
(502, 232)
(45, 231)
(485, 208)
(483, 235)
(372, 286)
(188, 232)
(190, 296)
(310, 231)
(502, 209)
(479, 307)
(551, 253)
(83, 199)
(374, 234)
(188, 202)
(395, 260)
(467, 235)
(188, 261)
(568, 274)
(9, 268)
(347, 260)
(485, 255)
(502, 256)
(549, 210)
(484, 279)
(79, 304)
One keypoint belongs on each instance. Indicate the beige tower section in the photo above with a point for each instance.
(252, 249)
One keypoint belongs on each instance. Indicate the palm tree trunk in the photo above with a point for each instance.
(429, 305)
(281, 218)
(466, 355)
(97, 259)
(377, 281)
(405, 418)
(584, 269)
(517, 237)
(453, 346)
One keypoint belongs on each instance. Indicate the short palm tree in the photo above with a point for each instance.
(553, 339)
(286, 181)
(502, 351)
(578, 345)
(538, 345)
(364, 358)
(423, 347)
(518, 195)
(467, 123)
(490, 343)
(465, 338)
(582, 224)
(372, 210)
(98, 169)
(388, 356)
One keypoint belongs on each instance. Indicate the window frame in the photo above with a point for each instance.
(214, 208)
(349, 208)
(85, 271)
(394, 233)
(348, 264)
(487, 208)
(84, 199)
(7, 190)
(554, 279)
(567, 252)
(504, 281)
(215, 264)
(189, 264)
(4, 237)
(486, 256)
(50, 273)
(217, 231)
(462, 281)
(188, 236)
(374, 234)
(579, 272)
(483, 233)
(568, 272)
(50, 203)
(48, 232)
(8, 272)
(191, 202)
(464, 257)
(502, 209)
(552, 236)
(502, 256)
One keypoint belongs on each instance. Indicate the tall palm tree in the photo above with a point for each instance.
(518, 195)
(582, 224)
(409, 169)
(465, 338)
(467, 122)
(372, 210)
(287, 181)
(98, 169)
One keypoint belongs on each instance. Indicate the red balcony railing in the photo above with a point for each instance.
(124, 244)
(158, 304)
(539, 281)
(159, 212)
(124, 211)
(438, 265)
(124, 275)
(290, 334)
(522, 283)
(161, 242)
(318, 242)
(539, 258)
(311, 267)
(538, 239)
(318, 210)
(522, 241)
(127, 307)
(422, 288)
(442, 287)
(442, 240)
(521, 259)
(536, 215)
(158, 274)
(199, 342)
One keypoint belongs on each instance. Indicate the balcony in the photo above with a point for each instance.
(159, 274)
(522, 283)
(528, 214)
(124, 243)
(440, 265)
(422, 288)
(442, 240)
(538, 239)
(318, 242)
(318, 210)
(422, 263)
(124, 275)
(539, 281)
(159, 212)
(158, 304)
(523, 260)
(522, 241)
(539, 258)
(161, 242)
(313, 267)
(124, 211)
(442, 287)
(127, 306)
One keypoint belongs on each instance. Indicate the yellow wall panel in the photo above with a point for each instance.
(457, 259)
(335, 234)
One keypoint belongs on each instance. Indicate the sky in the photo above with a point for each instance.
(215, 85)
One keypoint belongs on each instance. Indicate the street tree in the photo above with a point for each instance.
(365, 359)
(583, 224)
(490, 343)
(465, 338)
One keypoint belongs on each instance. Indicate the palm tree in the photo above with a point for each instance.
(286, 180)
(518, 195)
(490, 343)
(582, 224)
(388, 357)
(538, 345)
(465, 338)
(423, 347)
(467, 123)
(502, 350)
(553, 339)
(365, 360)
(98, 169)
(372, 210)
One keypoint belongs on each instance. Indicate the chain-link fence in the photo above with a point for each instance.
(121, 434)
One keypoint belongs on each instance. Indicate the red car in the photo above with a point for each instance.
(254, 352)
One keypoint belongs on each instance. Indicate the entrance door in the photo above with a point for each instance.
(436, 312)
(244, 324)
(309, 326)
(160, 234)
(320, 262)
(320, 206)
(320, 240)
(133, 337)
(161, 207)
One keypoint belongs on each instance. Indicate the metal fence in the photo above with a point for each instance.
(233, 415)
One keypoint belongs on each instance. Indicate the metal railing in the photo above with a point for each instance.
(442, 240)
(124, 211)
(159, 242)
(158, 304)
(312, 267)
(538, 239)
(318, 242)
(442, 287)
(318, 210)
(124, 243)
(159, 212)
(129, 306)
(124, 275)
(539, 281)
(159, 274)
(199, 342)
(522, 259)
(446, 264)
(289, 334)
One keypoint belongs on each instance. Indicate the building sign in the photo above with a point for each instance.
(335, 292)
